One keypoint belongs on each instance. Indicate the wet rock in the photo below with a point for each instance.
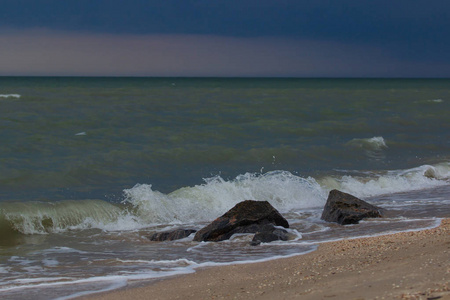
(171, 235)
(268, 233)
(345, 209)
(245, 217)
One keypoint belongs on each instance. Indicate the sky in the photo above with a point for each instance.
(264, 38)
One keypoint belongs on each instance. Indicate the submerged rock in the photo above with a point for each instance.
(248, 216)
(345, 209)
(171, 235)
(268, 233)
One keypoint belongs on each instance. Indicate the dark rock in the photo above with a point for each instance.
(171, 235)
(345, 209)
(268, 233)
(245, 217)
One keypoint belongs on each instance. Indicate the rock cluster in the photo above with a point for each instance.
(248, 216)
(262, 219)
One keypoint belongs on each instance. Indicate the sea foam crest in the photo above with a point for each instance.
(373, 147)
(10, 96)
(205, 202)
(284, 190)
(397, 181)
(374, 143)
(144, 207)
(41, 218)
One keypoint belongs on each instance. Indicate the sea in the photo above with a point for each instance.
(91, 166)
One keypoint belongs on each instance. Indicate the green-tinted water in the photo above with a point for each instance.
(91, 137)
(70, 146)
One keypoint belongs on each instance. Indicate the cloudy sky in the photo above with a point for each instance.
(304, 38)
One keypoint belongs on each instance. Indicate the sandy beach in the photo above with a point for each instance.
(409, 265)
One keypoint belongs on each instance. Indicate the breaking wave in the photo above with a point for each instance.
(372, 184)
(10, 96)
(373, 147)
(282, 189)
(374, 143)
(45, 217)
(144, 207)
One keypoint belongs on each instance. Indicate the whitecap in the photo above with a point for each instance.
(10, 96)
(202, 203)
(396, 181)
(374, 143)
(373, 147)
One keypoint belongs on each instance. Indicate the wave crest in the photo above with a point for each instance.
(42, 218)
(374, 143)
(282, 189)
(368, 185)
(373, 147)
(10, 96)
(144, 207)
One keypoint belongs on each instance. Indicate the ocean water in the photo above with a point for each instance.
(89, 167)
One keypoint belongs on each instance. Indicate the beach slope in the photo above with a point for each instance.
(409, 265)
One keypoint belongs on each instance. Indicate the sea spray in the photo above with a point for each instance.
(282, 189)
(378, 183)
(143, 207)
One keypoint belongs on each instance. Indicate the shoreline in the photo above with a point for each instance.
(406, 265)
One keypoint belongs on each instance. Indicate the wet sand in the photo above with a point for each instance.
(409, 265)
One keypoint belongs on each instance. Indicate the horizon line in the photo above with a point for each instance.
(223, 77)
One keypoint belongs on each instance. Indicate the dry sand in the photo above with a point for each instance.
(410, 265)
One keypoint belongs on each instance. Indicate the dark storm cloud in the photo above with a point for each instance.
(344, 19)
(411, 36)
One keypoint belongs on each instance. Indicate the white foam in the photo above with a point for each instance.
(117, 284)
(33, 269)
(50, 262)
(436, 223)
(55, 250)
(124, 222)
(378, 141)
(10, 96)
(285, 191)
(205, 202)
(112, 281)
(282, 189)
(253, 261)
(374, 143)
(374, 147)
(40, 279)
(422, 177)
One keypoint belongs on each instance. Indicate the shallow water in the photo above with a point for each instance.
(62, 264)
